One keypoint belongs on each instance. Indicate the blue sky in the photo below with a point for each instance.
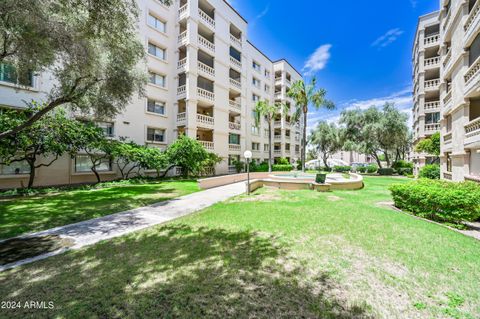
(360, 51)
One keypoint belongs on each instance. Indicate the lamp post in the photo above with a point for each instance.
(248, 156)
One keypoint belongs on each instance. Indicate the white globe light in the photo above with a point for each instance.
(247, 154)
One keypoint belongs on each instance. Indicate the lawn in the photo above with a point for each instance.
(272, 255)
(34, 213)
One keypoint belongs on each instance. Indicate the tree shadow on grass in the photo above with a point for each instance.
(177, 271)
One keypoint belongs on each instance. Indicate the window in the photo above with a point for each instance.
(157, 79)
(449, 163)
(234, 139)
(108, 128)
(157, 51)
(9, 74)
(83, 163)
(255, 130)
(255, 98)
(155, 135)
(256, 66)
(156, 23)
(267, 88)
(432, 118)
(15, 168)
(156, 107)
(255, 146)
(267, 74)
(266, 147)
(266, 133)
(256, 82)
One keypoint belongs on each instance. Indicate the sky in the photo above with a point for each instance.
(360, 51)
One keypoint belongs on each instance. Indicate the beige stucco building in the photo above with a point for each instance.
(459, 86)
(204, 80)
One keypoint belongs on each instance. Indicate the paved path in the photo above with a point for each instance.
(92, 231)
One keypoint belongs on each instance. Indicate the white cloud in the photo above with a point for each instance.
(260, 15)
(413, 3)
(318, 60)
(388, 38)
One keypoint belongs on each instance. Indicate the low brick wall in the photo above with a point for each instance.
(207, 183)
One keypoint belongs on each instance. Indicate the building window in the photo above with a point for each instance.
(107, 128)
(256, 82)
(234, 139)
(256, 66)
(156, 107)
(449, 163)
(157, 51)
(266, 147)
(83, 164)
(432, 118)
(255, 146)
(9, 74)
(157, 79)
(255, 98)
(267, 88)
(155, 135)
(255, 130)
(267, 74)
(15, 168)
(157, 23)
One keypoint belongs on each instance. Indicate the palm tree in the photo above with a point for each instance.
(269, 111)
(304, 95)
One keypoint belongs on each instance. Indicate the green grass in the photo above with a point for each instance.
(272, 255)
(34, 213)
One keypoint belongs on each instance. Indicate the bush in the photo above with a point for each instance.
(282, 168)
(372, 169)
(439, 200)
(430, 171)
(342, 169)
(324, 169)
(398, 165)
(386, 171)
(239, 166)
(362, 169)
(282, 161)
(405, 171)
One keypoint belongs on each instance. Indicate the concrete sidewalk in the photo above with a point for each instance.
(92, 231)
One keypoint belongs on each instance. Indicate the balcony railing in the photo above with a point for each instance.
(471, 17)
(235, 62)
(433, 39)
(447, 59)
(277, 123)
(234, 104)
(205, 120)
(447, 138)
(206, 43)
(206, 94)
(473, 128)
(181, 90)
(277, 137)
(278, 96)
(447, 176)
(182, 38)
(235, 83)
(447, 20)
(432, 105)
(277, 152)
(181, 117)
(432, 127)
(234, 126)
(447, 98)
(432, 61)
(235, 40)
(234, 147)
(432, 84)
(182, 63)
(208, 145)
(206, 18)
(183, 10)
(473, 71)
(206, 69)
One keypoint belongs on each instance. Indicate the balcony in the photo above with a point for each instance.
(207, 95)
(432, 84)
(277, 152)
(432, 128)
(432, 62)
(235, 62)
(234, 126)
(236, 84)
(235, 41)
(183, 11)
(205, 121)
(446, 22)
(472, 131)
(202, 67)
(208, 145)
(182, 64)
(277, 123)
(181, 90)
(181, 119)
(447, 61)
(234, 147)
(471, 25)
(182, 38)
(447, 138)
(471, 76)
(432, 40)
(277, 137)
(447, 100)
(235, 105)
(447, 176)
(206, 18)
(278, 96)
(206, 43)
(429, 106)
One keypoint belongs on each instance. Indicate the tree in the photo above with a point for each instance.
(90, 49)
(305, 95)
(326, 139)
(153, 158)
(40, 146)
(430, 145)
(127, 156)
(188, 154)
(264, 109)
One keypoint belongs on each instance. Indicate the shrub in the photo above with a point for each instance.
(398, 165)
(362, 169)
(282, 168)
(282, 161)
(324, 169)
(239, 166)
(386, 171)
(430, 171)
(342, 169)
(439, 200)
(372, 169)
(405, 171)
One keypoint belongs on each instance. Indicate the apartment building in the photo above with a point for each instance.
(204, 80)
(458, 48)
(426, 85)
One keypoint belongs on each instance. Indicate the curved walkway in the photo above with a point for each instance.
(92, 231)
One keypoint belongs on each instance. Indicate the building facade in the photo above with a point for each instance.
(204, 80)
(459, 86)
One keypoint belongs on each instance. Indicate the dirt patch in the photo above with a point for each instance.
(17, 249)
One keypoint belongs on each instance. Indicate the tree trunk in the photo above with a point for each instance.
(377, 159)
(31, 177)
(304, 140)
(94, 170)
(270, 145)
(166, 171)
(387, 159)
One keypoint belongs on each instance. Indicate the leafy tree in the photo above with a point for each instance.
(188, 154)
(127, 156)
(209, 164)
(153, 158)
(41, 145)
(327, 140)
(305, 95)
(430, 145)
(264, 109)
(89, 48)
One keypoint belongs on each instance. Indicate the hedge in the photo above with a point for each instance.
(282, 168)
(386, 171)
(439, 200)
(405, 171)
(342, 169)
(430, 172)
(372, 168)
